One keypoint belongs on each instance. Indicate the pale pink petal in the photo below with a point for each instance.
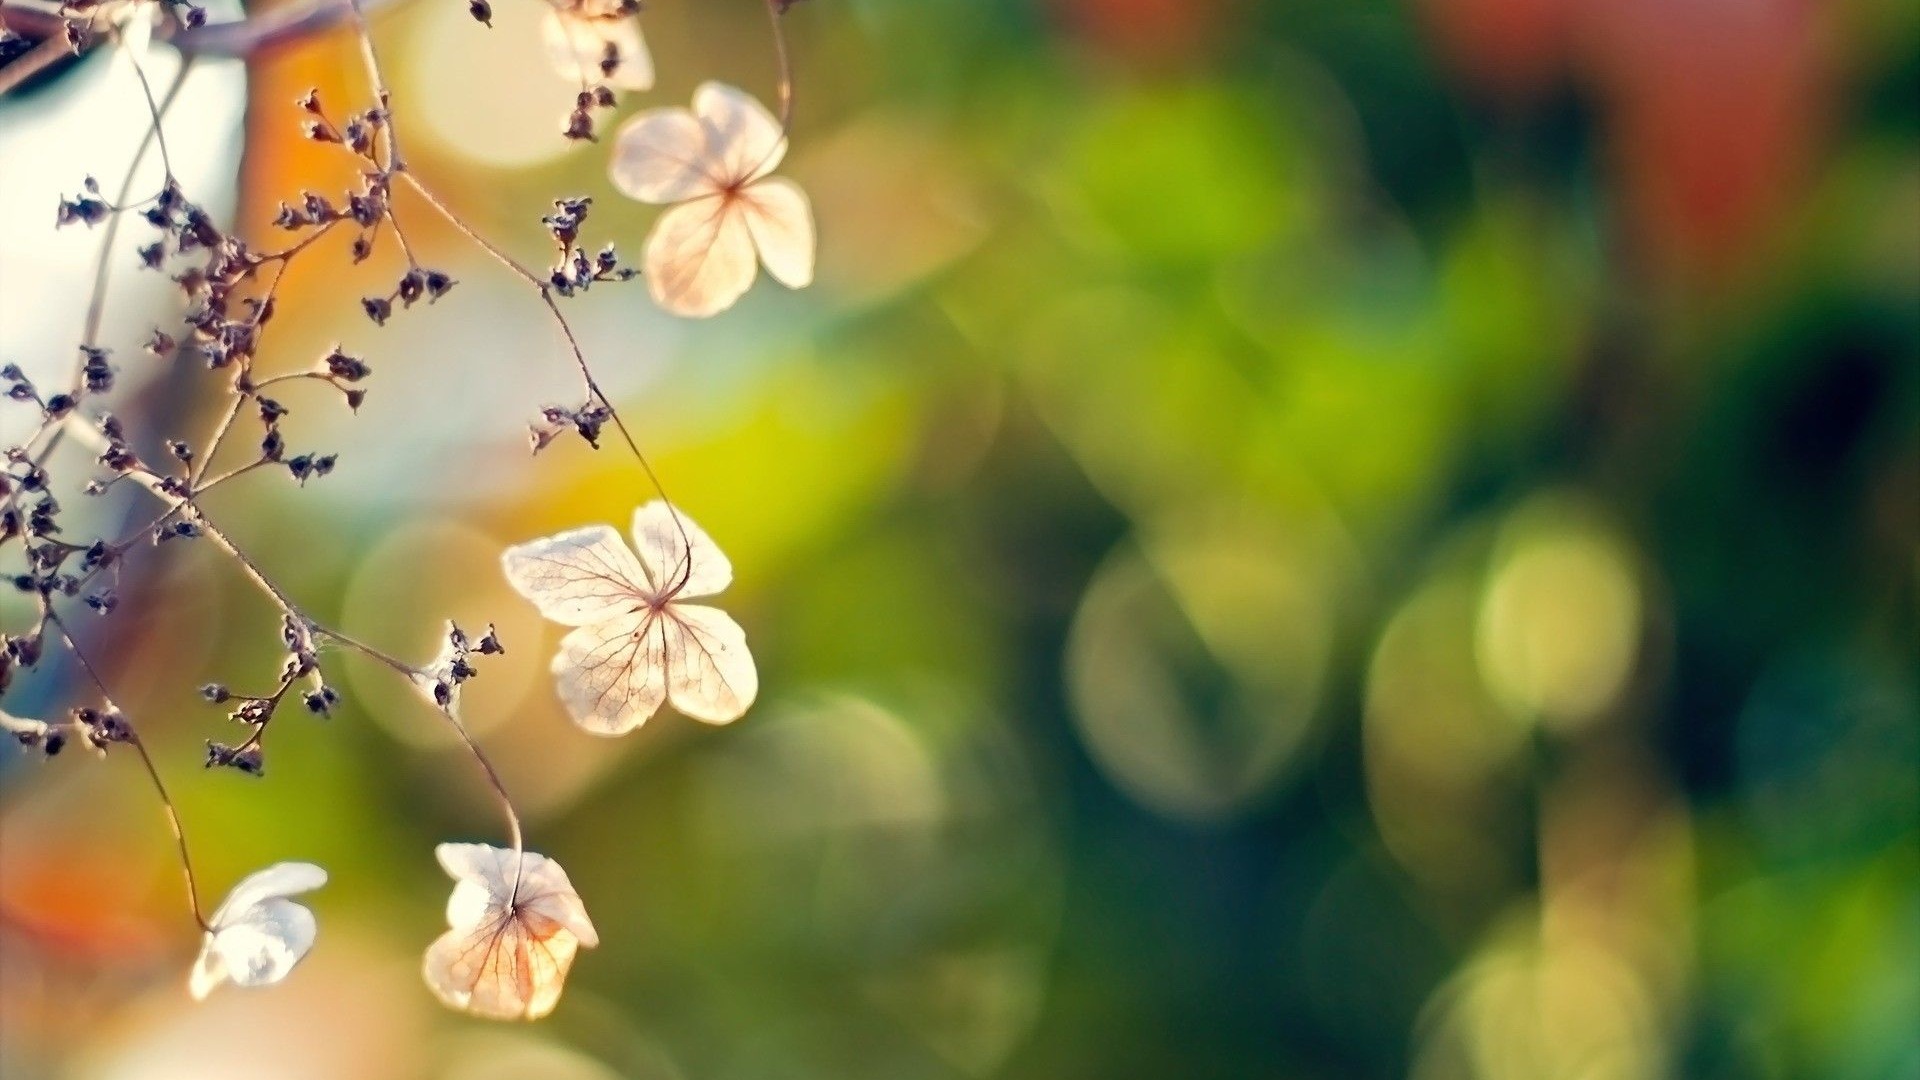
(262, 947)
(662, 156)
(611, 675)
(710, 673)
(678, 556)
(744, 135)
(209, 971)
(781, 223)
(699, 257)
(549, 893)
(581, 46)
(485, 880)
(257, 935)
(576, 577)
(502, 970)
(280, 879)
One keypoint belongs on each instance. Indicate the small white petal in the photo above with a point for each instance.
(576, 577)
(260, 949)
(257, 935)
(578, 45)
(280, 879)
(679, 558)
(744, 135)
(699, 257)
(710, 673)
(781, 222)
(611, 675)
(209, 971)
(662, 156)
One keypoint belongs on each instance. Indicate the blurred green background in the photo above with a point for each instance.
(1321, 539)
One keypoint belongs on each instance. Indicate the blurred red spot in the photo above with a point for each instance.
(1142, 30)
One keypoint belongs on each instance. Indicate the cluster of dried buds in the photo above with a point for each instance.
(556, 420)
(256, 711)
(574, 271)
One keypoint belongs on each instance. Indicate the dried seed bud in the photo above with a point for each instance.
(342, 366)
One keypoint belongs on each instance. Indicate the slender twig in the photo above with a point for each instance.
(774, 13)
(371, 60)
(146, 761)
(237, 39)
(579, 355)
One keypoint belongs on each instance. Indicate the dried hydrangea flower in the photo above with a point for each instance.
(516, 923)
(257, 935)
(713, 162)
(638, 641)
(598, 42)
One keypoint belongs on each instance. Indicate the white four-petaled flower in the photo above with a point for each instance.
(598, 43)
(714, 163)
(257, 935)
(515, 924)
(638, 643)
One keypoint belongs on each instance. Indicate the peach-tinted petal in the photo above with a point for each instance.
(744, 135)
(781, 223)
(661, 156)
(515, 923)
(610, 675)
(710, 673)
(501, 970)
(679, 558)
(576, 577)
(699, 257)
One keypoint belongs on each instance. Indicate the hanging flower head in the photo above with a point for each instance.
(713, 162)
(638, 641)
(515, 925)
(257, 935)
(598, 42)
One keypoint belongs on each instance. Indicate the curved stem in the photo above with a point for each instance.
(146, 761)
(579, 355)
(774, 13)
(411, 673)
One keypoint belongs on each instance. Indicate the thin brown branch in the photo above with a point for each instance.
(146, 760)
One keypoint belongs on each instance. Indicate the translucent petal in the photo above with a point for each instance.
(699, 257)
(484, 884)
(781, 223)
(663, 543)
(580, 45)
(710, 673)
(662, 156)
(280, 879)
(576, 577)
(610, 675)
(209, 971)
(260, 948)
(507, 969)
(745, 136)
